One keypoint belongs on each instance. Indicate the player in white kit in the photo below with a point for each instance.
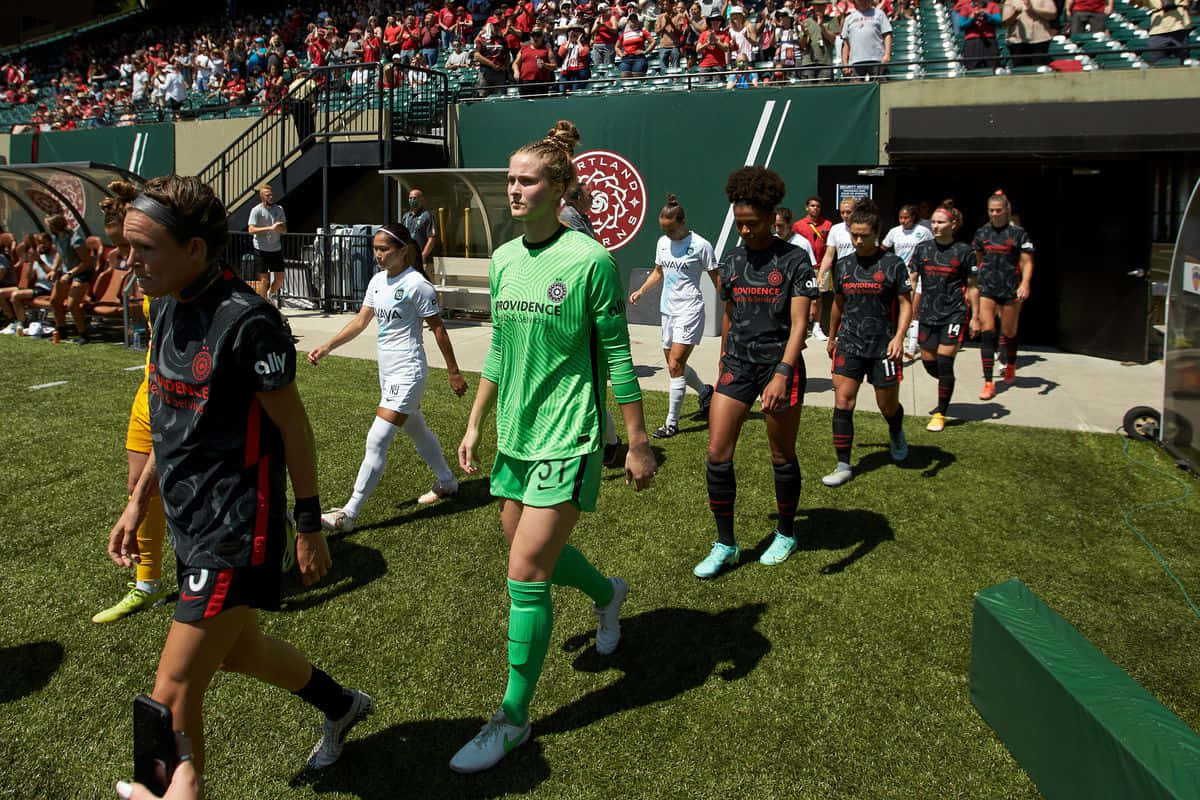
(903, 240)
(680, 261)
(837, 247)
(400, 298)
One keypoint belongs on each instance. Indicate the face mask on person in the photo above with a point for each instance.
(413, 202)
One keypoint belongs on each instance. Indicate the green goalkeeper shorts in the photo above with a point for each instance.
(547, 483)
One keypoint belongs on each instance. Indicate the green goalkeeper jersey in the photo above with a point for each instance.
(558, 333)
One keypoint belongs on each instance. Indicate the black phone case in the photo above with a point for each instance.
(153, 742)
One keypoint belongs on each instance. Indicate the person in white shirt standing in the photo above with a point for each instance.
(903, 240)
(681, 259)
(838, 245)
(267, 222)
(399, 297)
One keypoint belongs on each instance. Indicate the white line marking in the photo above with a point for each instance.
(779, 130)
(138, 368)
(46, 385)
(768, 109)
(137, 140)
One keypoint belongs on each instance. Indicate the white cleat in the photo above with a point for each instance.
(495, 740)
(608, 632)
(337, 520)
(842, 473)
(440, 491)
(333, 732)
(819, 334)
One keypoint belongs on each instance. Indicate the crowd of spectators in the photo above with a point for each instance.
(103, 78)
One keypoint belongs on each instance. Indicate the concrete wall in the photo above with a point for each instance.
(1102, 86)
(4, 143)
(200, 141)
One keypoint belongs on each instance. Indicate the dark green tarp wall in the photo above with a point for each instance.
(148, 150)
(689, 142)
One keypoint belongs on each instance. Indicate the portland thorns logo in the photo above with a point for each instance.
(202, 366)
(775, 278)
(618, 196)
(726, 378)
(879, 276)
(557, 292)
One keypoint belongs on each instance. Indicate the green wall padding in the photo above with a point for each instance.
(689, 142)
(1078, 724)
(148, 150)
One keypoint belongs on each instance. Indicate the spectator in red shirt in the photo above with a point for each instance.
(633, 46)
(318, 49)
(813, 226)
(1089, 15)
(464, 24)
(235, 88)
(535, 64)
(512, 36)
(491, 54)
(604, 34)
(977, 20)
(391, 35)
(714, 47)
(429, 40)
(372, 47)
(574, 57)
(410, 40)
(447, 31)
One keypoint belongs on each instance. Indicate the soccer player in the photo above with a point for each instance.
(559, 330)
(681, 258)
(784, 230)
(944, 269)
(870, 314)
(146, 591)
(903, 240)
(226, 418)
(767, 285)
(837, 245)
(399, 297)
(1005, 257)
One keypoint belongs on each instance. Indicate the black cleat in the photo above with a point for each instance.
(612, 454)
(705, 401)
(666, 432)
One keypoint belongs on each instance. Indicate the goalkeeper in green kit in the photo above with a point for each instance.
(559, 333)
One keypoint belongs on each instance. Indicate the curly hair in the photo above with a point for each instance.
(114, 207)
(755, 186)
(556, 151)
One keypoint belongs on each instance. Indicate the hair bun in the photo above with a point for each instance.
(564, 134)
(672, 200)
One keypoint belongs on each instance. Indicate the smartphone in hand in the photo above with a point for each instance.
(155, 754)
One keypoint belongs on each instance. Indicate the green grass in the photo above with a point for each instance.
(842, 673)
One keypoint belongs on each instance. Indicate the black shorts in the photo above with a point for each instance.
(42, 288)
(1000, 299)
(204, 593)
(744, 381)
(931, 337)
(269, 261)
(87, 276)
(881, 372)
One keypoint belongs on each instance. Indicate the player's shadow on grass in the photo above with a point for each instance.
(26, 668)
(663, 654)
(354, 566)
(410, 760)
(471, 495)
(962, 413)
(645, 370)
(830, 529)
(929, 459)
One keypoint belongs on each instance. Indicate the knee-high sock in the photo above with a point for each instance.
(379, 437)
(1002, 344)
(150, 541)
(930, 367)
(610, 428)
(987, 352)
(693, 379)
(945, 376)
(787, 495)
(428, 447)
(574, 570)
(722, 491)
(896, 420)
(843, 433)
(677, 387)
(530, 617)
(1010, 351)
(326, 694)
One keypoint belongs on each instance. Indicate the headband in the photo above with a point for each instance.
(160, 213)
(394, 236)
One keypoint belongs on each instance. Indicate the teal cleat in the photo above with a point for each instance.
(899, 447)
(781, 547)
(718, 557)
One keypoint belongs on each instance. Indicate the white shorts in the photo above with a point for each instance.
(683, 328)
(402, 391)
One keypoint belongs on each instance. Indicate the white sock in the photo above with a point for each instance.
(912, 329)
(675, 399)
(379, 437)
(693, 379)
(610, 428)
(429, 448)
(149, 587)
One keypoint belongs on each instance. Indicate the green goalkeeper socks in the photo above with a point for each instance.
(573, 569)
(530, 617)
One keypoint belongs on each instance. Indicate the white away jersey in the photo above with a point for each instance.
(683, 263)
(400, 304)
(796, 240)
(904, 242)
(839, 239)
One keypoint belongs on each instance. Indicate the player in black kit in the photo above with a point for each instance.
(870, 315)
(944, 268)
(226, 421)
(1005, 257)
(767, 285)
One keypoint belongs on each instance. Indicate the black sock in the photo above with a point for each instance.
(987, 353)
(1010, 352)
(945, 376)
(930, 367)
(326, 694)
(895, 420)
(787, 495)
(843, 433)
(722, 491)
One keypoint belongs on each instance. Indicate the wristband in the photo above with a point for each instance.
(307, 512)
(785, 369)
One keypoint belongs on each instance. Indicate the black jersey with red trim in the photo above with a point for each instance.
(999, 256)
(220, 458)
(944, 271)
(870, 287)
(761, 285)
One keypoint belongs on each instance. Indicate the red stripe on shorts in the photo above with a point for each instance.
(259, 554)
(253, 421)
(216, 600)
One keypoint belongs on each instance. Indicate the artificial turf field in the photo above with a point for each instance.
(839, 674)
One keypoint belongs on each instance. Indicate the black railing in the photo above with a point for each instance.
(336, 283)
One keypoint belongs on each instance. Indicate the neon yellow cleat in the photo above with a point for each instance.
(134, 600)
(936, 423)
